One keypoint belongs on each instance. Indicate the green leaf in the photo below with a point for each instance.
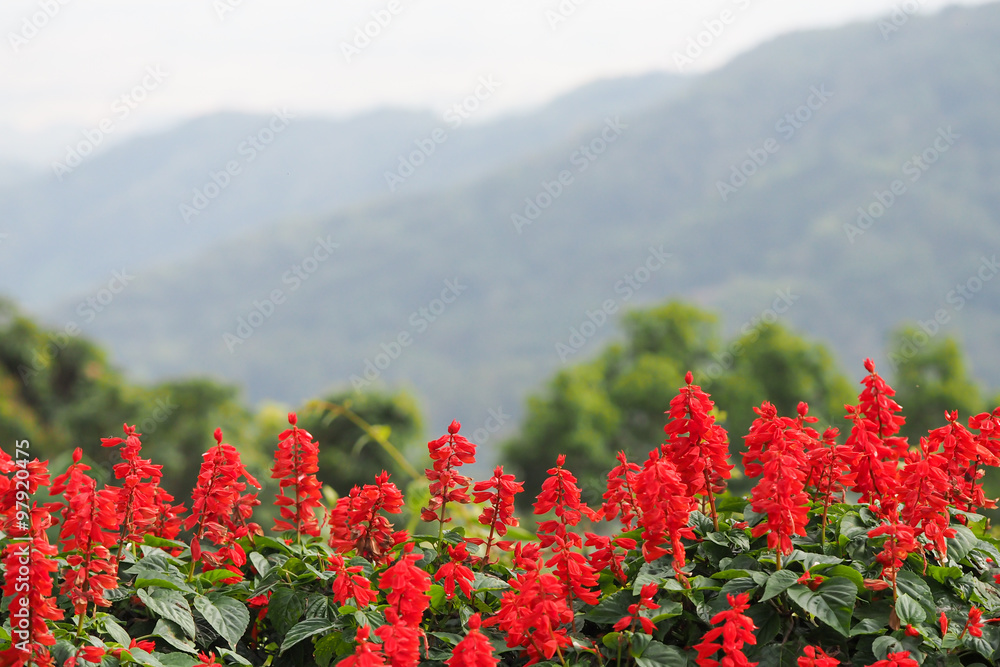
(658, 654)
(236, 657)
(612, 639)
(914, 586)
(213, 577)
(868, 626)
(177, 584)
(832, 603)
(909, 611)
(884, 645)
(285, 608)
(261, 564)
(229, 617)
(144, 658)
(960, 545)
(486, 582)
(778, 583)
(847, 572)
(171, 633)
(304, 630)
(730, 574)
(262, 541)
(326, 649)
(171, 605)
(176, 659)
(117, 632)
(612, 608)
(163, 543)
(812, 561)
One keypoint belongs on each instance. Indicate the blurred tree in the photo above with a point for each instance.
(362, 434)
(617, 400)
(931, 380)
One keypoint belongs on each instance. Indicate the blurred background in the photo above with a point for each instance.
(532, 217)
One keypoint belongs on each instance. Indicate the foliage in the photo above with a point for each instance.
(593, 409)
(670, 569)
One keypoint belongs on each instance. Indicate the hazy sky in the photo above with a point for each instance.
(72, 72)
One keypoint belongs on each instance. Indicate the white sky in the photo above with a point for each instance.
(267, 53)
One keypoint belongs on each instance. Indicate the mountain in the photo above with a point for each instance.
(534, 255)
(167, 196)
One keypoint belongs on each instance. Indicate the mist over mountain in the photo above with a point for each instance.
(740, 190)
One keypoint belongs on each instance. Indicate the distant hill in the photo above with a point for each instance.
(123, 206)
(777, 241)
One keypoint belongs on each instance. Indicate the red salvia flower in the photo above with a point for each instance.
(455, 572)
(474, 650)
(219, 508)
(206, 659)
(168, 521)
(609, 553)
(356, 522)
(448, 452)
(943, 624)
(498, 492)
(696, 445)
(814, 656)
(407, 585)
(561, 496)
(664, 510)
(987, 454)
(143, 645)
(874, 442)
(645, 602)
(974, 624)
(366, 654)
(349, 582)
(90, 529)
(901, 659)
(136, 505)
(296, 463)
(900, 542)
(735, 631)
(776, 450)
(400, 640)
(620, 498)
(533, 612)
(830, 472)
(923, 490)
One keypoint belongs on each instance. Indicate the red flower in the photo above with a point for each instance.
(357, 525)
(498, 492)
(135, 503)
(366, 654)
(407, 585)
(923, 491)
(219, 508)
(901, 659)
(816, 657)
(696, 445)
(776, 447)
(143, 645)
(534, 611)
(474, 650)
(811, 580)
(90, 529)
(735, 631)
(296, 463)
(645, 602)
(448, 452)
(943, 624)
(974, 624)
(664, 510)
(609, 553)
(350, 583)
(620, 497)
(911, 631)
(206, 659)
(455, 573)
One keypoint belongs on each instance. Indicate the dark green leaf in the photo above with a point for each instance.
(914, 586)
(229, 617)
(612, 608)
(261, 564)
(960, 545)
(285, 608)
(304, 630)
(172, 633)
(117, 632)
(884, 645)
(657, 654)
(176, 659)
(778, 583)
(832, 603)
(171, 605)
(909, 611)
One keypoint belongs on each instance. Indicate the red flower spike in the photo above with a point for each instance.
(534, 611)
(776, 450)
(366, 654)
(206, 659)
(735, 631)
(349, 582)
(696, 445)
(296, 463)
(456, 573)
(923, 492)
(620, 497)
(498, 492)
(901, 659)
(407, 585)
(974, 623)
(448, 452)
(356, 522)
(664, 510)
(645, 602)
(943, 624)
(475, 650)
(814, 656)
(911, 631)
